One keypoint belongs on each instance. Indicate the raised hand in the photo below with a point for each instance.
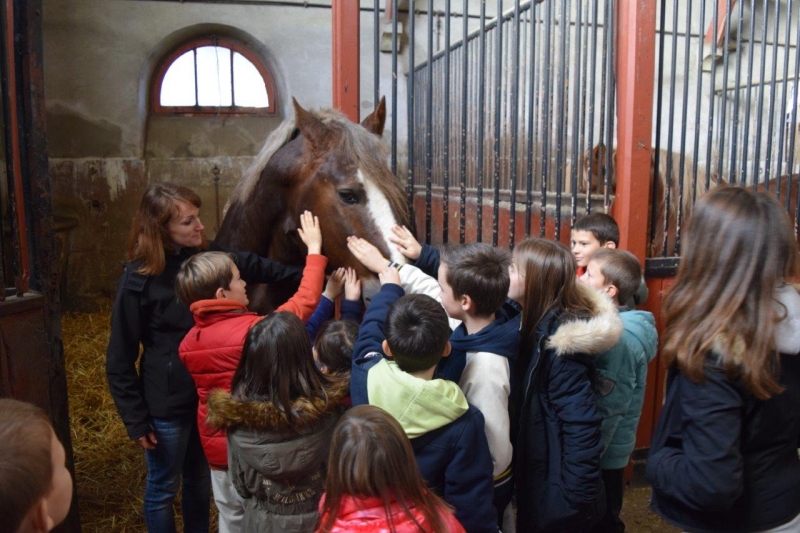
(389, 275)
(352, 285)
(367, 254)
(406, 243)
(335, 283)
(310, 232)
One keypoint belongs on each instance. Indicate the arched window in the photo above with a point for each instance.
(213, 76)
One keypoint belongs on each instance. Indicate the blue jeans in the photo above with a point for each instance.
(178, 453)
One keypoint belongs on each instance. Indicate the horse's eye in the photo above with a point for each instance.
(348, 197)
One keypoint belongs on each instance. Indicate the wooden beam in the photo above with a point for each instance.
(346, 57)
(635, 30)
(722, 16)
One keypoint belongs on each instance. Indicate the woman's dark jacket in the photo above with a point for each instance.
(723, 460)
(559, 444)
(146, 312)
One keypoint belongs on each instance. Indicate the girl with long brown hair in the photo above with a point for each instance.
(558, 443)
(157, 398)
(279, 417)
(373, 481)
(724, 454)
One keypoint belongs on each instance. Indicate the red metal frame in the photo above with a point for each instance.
(346, 57)
(231, 111)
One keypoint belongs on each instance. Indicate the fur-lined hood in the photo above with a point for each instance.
(225, 412)
(591, 336)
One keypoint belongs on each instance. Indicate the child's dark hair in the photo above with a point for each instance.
(602, 226)
(334, 345)
(417, 332)
(621, 269)
(479, 271)
(372, 457)
(277, 364)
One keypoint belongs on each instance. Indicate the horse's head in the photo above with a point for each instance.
(333, 167)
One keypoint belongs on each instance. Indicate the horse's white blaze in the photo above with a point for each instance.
(382, 215)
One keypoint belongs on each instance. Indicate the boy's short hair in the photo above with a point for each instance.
(334, 344)
(602, 226)
(202, 274)
(479, 271)
(621, 269)
(417, 332)
(26, 469)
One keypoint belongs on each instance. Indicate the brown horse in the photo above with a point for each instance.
(333, 167)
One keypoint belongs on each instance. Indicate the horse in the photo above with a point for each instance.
(322, 162)
(597, 155)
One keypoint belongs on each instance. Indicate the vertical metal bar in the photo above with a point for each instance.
(512, 210)
(670, 133)
(498, 94)
(735, 127)
(724, 106)
(592, 79)
(785, 93)
(698, 99)
(563, 77)
(793, 123)
(411, 89)
(578, 116)
(773, 92)
(659, 110)
(394, 89)
(446, 195)
(546, 122)
(711, 96)
(610, 100)
(481, 118)
(233, 89)
(746, 131)
(376, 11)
(531, 122)
(429, 126)
(757, 156)
(684, 116)
(464, 101)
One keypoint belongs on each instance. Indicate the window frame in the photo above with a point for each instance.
(212, 111)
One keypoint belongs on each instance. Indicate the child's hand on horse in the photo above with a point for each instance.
(406, 243)
(352, 285)
(389, 275)
(366, 252)
(310, 232)
(335, 283)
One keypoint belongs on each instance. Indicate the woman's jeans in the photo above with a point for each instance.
(178, 453)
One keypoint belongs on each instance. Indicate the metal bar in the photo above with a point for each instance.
(757, 155)
(512, 210)
(411, 89)
(723, 108)
(699, 100)
(603, 93)
(531, 136)
(377, 52)
(684, 116)
(394, 88)
(481, 119)
(590, 143)
(429, 129)
(546, 123)
(711, 97)
(768, 164)
(670, 133)
(562, 89)
(659, 108)
(733, 170)
(446, 195)
(610, 64)
(498, 93)
(785, 93)
(582, 118)
(463, 175)
(577, 114)
(748, 98)
(793, 123)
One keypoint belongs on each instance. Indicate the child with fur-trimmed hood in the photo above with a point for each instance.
(558, 444)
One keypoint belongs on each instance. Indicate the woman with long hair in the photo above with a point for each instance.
(724, 454)
(558, 444)
(279, 417)
(158, 402)
(373, 481)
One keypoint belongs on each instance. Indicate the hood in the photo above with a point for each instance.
(202, 308)
(500, 337)
(225, 412)
(787, 331)
(419, 405)
(640, 327)
(591, 336)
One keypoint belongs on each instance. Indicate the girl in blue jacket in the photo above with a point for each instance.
(724, 454)
(558, 445)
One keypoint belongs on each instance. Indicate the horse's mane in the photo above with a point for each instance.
(370, 154)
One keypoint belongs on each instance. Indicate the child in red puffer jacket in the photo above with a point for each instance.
(373, 481)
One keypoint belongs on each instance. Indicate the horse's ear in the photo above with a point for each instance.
(376, 120)
(312, 128)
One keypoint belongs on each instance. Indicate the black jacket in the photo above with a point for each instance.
(559, 444)
(146, 312)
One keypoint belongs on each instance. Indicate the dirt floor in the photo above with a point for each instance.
(110, 469)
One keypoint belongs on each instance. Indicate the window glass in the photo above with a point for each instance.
(177, 89)
(248, 84)
(214, 76)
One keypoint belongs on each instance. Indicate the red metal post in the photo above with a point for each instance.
(346, 57)
(636, 47)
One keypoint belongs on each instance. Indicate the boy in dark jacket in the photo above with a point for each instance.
(393, 368)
